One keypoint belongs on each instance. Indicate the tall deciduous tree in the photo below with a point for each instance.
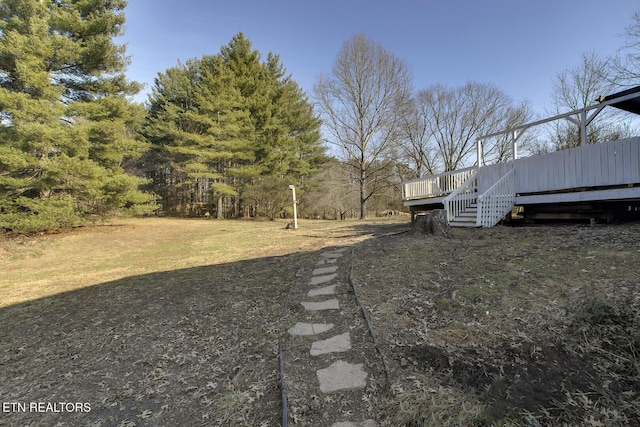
(500, 148)
(458, 116)
(416, 145)
(66, 126)
(626, 66)
(362, 103)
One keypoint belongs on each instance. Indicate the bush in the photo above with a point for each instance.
(26, 215)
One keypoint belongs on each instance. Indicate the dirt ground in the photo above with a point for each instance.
(517, 326)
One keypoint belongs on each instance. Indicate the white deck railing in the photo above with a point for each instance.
(594, 167)
(497, 201)
(435, 185)
(462, 197)
(603, 164)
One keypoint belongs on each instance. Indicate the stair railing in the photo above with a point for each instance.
(435, 185)
(462, 197)
(497, 201)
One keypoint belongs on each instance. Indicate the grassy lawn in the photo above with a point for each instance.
(153, 322)
(35, 267)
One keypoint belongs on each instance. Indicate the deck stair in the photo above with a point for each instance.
(466, 207)
(466, 218)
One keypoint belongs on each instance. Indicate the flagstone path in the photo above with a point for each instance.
(330, 369)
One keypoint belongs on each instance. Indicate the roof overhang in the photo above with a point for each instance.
(627, 102)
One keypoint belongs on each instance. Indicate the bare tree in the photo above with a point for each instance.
(362, 104)
(500, 148)
(626, 65)
(579, 87)
(269, 196)
(460, 115)
(336, 191)
(416, 144)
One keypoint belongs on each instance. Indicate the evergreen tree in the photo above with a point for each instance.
(202, 133)
(223, 122)
(66, 125)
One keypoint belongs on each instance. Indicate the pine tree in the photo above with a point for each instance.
(66, 125)
(287, 130)
(226, 121)
(204, 135)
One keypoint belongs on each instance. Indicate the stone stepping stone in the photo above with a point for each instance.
(365, 423)
(327, 290)
(331, 254)
(331, 304)
(318, 280)
(337, 344)
(301, 328)
(324, 270)
(327, 261)
(341, 375)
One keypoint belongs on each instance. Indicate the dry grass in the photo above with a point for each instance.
(40, 266)
(175, 322)
(424, 406)
(537, 324)
(152, 322)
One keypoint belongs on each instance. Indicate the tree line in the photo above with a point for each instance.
(224, 135)
(228, 133)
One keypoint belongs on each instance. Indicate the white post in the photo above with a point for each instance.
(479, 152)
(583, 128)
(295, 209)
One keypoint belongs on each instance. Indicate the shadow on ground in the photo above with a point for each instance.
(196, 346)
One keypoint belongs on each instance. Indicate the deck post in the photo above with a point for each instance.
(583, 128)
(514, 144)
(479, 152)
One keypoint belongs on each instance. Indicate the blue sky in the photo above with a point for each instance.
(517, 45)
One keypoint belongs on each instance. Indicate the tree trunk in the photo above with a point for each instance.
(220, 208)
(433, 223)
(363, 207)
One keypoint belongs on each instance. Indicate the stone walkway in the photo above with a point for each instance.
(330, 367)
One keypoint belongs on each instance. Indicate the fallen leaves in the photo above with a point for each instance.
(506, 309)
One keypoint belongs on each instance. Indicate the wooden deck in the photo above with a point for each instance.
(587, 176)
(608, 171)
